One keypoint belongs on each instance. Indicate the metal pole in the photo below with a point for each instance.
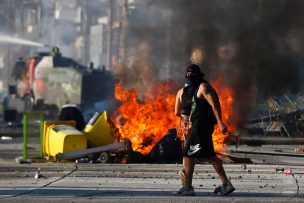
(110, 34)
(80, 153)
(123, 30)
(41, 133)
(258, 141)
(25, 136)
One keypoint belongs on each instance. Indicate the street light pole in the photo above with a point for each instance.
(110, 33)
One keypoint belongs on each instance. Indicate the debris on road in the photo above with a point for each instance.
(20, 160)
(300, 150)
(235, 159)
(279, 170)
(82, 160)
(6, 138)
(287, 171)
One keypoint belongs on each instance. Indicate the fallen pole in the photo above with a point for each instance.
(258, 141)
(235, 159)
(267, 153)
(82, 153)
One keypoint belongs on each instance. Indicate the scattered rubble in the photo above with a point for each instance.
(82, 160)
(6, 138)
(22, 161)
(300, 150)
(287, 171)
(281, 170)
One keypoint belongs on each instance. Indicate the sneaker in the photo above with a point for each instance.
(218, 189)
(224, 189)
(185, 191)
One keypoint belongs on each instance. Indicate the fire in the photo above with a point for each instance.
(144, 122)
(226, 99)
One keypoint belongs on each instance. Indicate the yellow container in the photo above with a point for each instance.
(61, 138)
(98, 130)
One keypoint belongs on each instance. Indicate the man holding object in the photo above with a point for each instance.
(205, 113)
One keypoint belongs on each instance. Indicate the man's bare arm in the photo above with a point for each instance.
(205, 90)
(178, 101)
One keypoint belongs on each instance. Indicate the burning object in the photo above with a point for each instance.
(145, 121)
(168, 149)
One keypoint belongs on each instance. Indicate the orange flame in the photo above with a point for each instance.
(226, 99)
(145, 122)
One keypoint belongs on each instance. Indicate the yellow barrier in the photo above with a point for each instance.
(98, 130)
(61, 137)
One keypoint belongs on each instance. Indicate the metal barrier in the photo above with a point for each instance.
(33, 135)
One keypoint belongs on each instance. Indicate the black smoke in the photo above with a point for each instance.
(257, 45)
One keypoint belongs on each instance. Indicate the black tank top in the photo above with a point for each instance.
(186, 104)
(202, 112)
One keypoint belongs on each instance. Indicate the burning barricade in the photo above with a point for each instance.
(145, 122)
(141, 130)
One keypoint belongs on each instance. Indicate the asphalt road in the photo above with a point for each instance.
(68, 182)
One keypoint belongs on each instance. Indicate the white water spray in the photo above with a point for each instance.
(14, 40)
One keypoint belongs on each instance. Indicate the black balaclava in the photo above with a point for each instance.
(196, 77)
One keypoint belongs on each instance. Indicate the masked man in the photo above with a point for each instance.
(203, 113)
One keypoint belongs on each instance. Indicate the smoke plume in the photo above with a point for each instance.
(257, 45)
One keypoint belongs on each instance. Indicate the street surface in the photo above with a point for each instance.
(263, 181)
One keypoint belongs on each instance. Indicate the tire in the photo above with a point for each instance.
(105, 157)
(72, 113)
(28, 102)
